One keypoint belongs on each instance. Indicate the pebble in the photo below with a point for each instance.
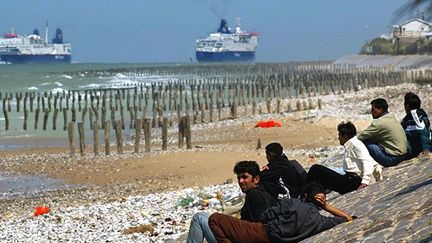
(106, 222)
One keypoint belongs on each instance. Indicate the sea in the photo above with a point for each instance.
(63, 78)
(56, 78)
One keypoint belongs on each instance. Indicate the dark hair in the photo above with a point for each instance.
(412, 100)
(311, 189)
(274, 149)
(247, 166)
(380, 103)
(347, 128)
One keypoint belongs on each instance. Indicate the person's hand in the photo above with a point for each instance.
(362, 186)
(321, 199)
(265, 167)
(424, 153)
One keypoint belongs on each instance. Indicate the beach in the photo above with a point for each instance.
(91, 183)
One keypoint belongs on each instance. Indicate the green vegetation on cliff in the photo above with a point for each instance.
(381, 46)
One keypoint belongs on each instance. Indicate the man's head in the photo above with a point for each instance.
(310, 190)
(379, 107)
(247, 174)
(411, 102)
(346, 130)
(273, 150)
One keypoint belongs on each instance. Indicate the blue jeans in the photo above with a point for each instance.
(381, 156)
(199, 229)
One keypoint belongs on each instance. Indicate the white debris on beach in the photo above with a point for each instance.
(168, 215)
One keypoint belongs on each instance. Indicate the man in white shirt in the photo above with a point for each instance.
(358, 165)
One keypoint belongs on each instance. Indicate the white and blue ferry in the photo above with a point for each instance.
(227, 45)
(16, 49)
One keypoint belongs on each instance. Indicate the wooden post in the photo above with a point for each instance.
(107, 136)
(64, 119)
(71, 134)
(147, 130)
(164, 133)
(6, 119)
(36, 118)
(188, 133)
(54, 120)
(119, 137)
(181, 132)
(96, 138)
(81, 138)
(138, 123)
(45, 120)
(25, 119)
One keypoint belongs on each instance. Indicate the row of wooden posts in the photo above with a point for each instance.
(184, 134)
(179, 97)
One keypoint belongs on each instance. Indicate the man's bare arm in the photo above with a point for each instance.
(320, 197)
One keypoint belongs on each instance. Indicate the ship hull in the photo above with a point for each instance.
(230, 56)
(36, 59)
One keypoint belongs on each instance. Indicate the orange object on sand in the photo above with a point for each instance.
(40, 210)
(267, 124)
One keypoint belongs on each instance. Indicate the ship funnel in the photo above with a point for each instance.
(36, 32)
(58, 37)
(46, 33)
(238, 29)
(224, 28)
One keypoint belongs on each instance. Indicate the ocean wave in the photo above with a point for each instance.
(58, 90)
(91, 86)
(66, 76)
(58, 84)
(32, 88)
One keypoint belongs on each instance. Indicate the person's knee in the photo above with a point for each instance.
(214, 219)
(199, 217)
(315, 168)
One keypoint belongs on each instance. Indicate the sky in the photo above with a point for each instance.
(159, 31)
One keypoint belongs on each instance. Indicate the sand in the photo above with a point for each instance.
(216, 148)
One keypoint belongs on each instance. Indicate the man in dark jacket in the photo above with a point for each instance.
(257, 200)
(416, 125)
(290, 220)
(282, 176)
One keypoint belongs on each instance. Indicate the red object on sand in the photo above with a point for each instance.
(267, 124)
(40, 210)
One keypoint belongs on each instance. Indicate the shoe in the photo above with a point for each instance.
(377, 173)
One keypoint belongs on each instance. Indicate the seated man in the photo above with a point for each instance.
(257, 201)
(357, 164)
(416, 125)
(384, 138)
(290, 220)
(281, 175)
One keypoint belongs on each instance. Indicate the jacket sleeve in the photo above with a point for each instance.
(424, 139)
(370, 132)
(330, 222)
(367, 164)
(256, 204)
(272, 212)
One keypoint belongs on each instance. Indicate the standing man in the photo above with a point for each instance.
(358, 165)
(385, 138)
(282, 176)
(417, 126)
(256, 202)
